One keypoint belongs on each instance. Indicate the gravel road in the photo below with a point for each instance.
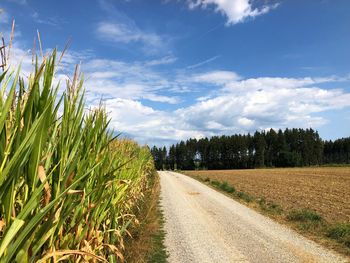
(203, 225)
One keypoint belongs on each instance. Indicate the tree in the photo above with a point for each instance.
(172, 158)
(288, 148)
(259, 147)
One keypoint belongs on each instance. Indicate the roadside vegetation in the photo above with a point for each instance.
(146, 243)
(69, 189)
(306, 210)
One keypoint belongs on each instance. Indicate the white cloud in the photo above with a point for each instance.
(236, 11)
(203, 98)
(236, 105)
(19, 56)
(106, 88)
(4, 17)
(218, 77)
(134, 80)
(203, 62)
(118, 28)
(289, 103)
(249, 104)
(245, 122)
(119, 32)
(162, 61)
(105, 78)
(127, 32)
(146, 124)
(51, 20)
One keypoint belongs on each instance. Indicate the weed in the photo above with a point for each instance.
(269, 207)
(224, 186)
(159, 254)
(244, 196)
(304, 215)
(227, 188)
(306, 219)
(262, 202)
(340, 233)
(275, 208)
(215, 183)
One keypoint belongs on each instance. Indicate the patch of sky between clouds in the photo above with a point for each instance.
(20, 2)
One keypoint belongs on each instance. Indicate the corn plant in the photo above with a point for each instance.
(68, 188)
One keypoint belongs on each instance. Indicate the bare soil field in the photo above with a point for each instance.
(325, 190)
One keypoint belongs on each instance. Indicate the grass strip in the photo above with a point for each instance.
(147, 242)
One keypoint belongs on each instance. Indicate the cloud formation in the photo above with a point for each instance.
(222, 102)
(240, 106)
(124, 33)
(236, 11)
(117, 27)
(128, 80)
(55, 21)
(260, 103)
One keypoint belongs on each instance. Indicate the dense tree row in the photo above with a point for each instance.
(288, 148)
(337, 151)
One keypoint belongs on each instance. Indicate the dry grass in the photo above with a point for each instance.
(325, 190)
(146, 244)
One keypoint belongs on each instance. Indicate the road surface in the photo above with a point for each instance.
(203, 225)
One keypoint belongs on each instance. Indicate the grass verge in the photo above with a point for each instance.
(305, 221)
(225, 187)
(340, 233)
(147, 242)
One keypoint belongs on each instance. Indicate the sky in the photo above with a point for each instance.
(169, 70)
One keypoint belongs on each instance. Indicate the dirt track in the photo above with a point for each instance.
(204, 225)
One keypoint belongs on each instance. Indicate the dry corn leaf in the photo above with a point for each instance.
(2, 224)
(70, 252)
(116, 251)
(70, 192)
(42, 177)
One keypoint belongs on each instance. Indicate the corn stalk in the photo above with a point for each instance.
(68, 188)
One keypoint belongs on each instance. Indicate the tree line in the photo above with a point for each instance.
(288, 148)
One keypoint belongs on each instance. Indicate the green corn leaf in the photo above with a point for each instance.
(10, 234)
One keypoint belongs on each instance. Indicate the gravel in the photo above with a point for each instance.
(203, 225)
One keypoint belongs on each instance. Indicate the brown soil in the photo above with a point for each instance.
(325, 190)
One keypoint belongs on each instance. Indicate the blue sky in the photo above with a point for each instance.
(168, 70)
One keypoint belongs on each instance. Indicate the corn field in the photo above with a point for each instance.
(68, 188)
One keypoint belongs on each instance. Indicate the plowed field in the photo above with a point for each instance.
(325, 190)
